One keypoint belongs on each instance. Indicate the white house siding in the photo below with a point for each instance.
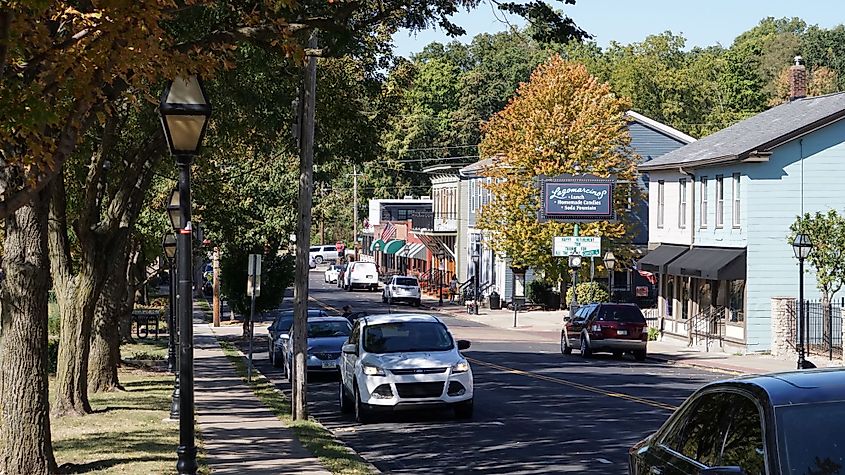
(670, 233)
(774, 202)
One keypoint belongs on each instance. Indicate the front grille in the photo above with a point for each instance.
(406, 371)
(327, 356)
(419, 390)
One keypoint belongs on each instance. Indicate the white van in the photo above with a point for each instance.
(361, 274)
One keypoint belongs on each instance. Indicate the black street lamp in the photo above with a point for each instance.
(575, 265)
(168, 245)
(184, 111)
(802, 246)
(476, 260)
(609, 264)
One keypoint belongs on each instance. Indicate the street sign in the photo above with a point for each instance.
(584, 246)
(254, 275)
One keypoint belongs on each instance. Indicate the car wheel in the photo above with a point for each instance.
(586, 352)
(318, 260)
(464, 410)
(617, 354)
(362, 411)
(345, 403)
(639, 355)
(564, 346)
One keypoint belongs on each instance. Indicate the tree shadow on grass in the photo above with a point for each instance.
(72, 468)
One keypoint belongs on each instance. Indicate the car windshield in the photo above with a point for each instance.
(410, 281)
(621, 313)
(407, 337)
(283, 322)
(328, 329)
(811, 439)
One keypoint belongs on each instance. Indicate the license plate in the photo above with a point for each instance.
(329, 364)
(621, 332)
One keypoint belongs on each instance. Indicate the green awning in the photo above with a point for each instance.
(379, 243)
(393, 246)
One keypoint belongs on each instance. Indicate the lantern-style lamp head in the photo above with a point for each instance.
(168, 243)
(174, 210)
(802, 246)
(184, 111)
(609, 260)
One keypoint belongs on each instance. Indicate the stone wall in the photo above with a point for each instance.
(783, 321)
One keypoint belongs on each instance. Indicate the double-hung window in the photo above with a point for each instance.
(682, 203)
(720, 201)
(703, 199)
(736, 200)
(661, 194)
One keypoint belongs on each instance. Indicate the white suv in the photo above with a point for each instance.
(323, 253)
(403, 361)
(402, 289)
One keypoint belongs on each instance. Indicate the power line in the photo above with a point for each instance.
(414, 160)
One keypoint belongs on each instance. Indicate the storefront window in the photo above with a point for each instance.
(737, 301)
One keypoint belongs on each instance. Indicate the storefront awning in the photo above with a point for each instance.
(714, 263)
(659, 258)
(413, 250)
(392, 246)
(378, 243)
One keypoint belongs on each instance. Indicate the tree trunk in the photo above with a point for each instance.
(77, 307)
(105, 338)
(125, 317)
(25, 442)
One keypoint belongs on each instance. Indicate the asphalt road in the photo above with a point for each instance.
(536, 410)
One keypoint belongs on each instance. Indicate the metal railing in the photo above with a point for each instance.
(707, 326)
(824, 327)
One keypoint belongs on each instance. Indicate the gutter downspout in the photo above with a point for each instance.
(692, 242)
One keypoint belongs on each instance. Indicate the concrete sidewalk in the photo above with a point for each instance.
(240, 434)
(546, 326)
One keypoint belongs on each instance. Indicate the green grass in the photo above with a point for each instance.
(145, 349)
(202, 304)
(336, 457)
(125, 434)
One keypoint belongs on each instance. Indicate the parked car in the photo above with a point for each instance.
(279, 332)
(782, 423)
(617, 328)
(402, 289)
(331, 274)
(404, 361)
(323, 253)
(362, 275)
(326, 335)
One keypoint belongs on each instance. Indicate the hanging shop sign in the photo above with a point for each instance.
(577, 198)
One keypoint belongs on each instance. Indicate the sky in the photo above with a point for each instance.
(702, 23)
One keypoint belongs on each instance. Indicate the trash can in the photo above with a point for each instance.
(495, 301)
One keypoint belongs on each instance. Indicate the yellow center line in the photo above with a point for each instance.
(551, 379)
(583, 387)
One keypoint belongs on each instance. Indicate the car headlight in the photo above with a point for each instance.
(460, 367)
(372, 370)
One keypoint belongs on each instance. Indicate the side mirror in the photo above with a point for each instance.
(463, 345)
(567, 319)
(722, 471)
(350, 349)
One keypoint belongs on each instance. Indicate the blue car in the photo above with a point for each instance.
(279, 332)
(326, 335)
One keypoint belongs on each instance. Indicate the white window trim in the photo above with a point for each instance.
(682, 203)
(661, 202)
(720, 201)
(704, 203)
(736, 195)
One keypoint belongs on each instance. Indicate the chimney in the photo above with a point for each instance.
(797, 79)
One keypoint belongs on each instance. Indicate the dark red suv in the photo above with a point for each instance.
(611, 327)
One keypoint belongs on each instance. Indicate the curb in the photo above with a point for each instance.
(734, 370)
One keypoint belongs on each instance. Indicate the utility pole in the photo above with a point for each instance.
(215, 299)
(299, 406)
(355, 176)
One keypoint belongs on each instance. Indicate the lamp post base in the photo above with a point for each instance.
(186, 463)
(174, 401)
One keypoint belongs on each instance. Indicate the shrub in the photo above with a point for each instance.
(653, 333)
(588, 292)
(537, 291)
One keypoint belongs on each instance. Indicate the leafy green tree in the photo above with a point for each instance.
(563, 121)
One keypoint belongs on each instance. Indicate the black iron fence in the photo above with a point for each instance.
(824, 327)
